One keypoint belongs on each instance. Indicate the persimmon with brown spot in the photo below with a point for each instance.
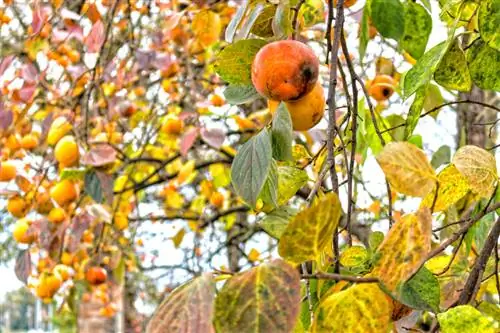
(381, 88)
(285, 70)
(305, 112)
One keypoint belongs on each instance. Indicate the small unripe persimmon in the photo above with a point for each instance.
(285, 70)
(305, 112)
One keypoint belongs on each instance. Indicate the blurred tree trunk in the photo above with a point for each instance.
(90, 320)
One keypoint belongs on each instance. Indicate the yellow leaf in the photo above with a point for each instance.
(35, 45)
(173, 199)
(221, 175)
(206, 27)
(404, 249)
(254, 255)
(186, 173)
(375, 208)
(354, 256)
(479, 167)
(310, 231)
(407, 169)
(452, 187)
(179, 236)
(361, 308)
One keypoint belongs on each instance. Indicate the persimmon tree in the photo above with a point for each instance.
(288, 137)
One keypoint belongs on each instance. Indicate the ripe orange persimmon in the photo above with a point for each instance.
(48, 285)
(305, 112)
(63, 192)
(66, 151)
(67, 258)
(21, 232)
(217, 199)
(17, 206)
(173, 126)
(29, 141)
(382, 87)
(285, 70)
(57, 215)
(120, 221)
(217, 100)
(96, 275)
(7, 171)
(43, 202)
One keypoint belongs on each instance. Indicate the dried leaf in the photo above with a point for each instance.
(479, 167)
(263, 299)
(404, 249)
(407, 169)
(189, 308)
(359, 309)
(23, 265)
(310, 231)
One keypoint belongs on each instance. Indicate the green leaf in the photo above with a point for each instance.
(394, 120)
(354, 256)
(310, 232)
(484, 62)
(375, 239)
(364, 37)
(189, 308)
(93, 186)
(276, 221)
(251, 166)
(416, 140)
(263, 26)
(418, 26)
(464, 316)
(269, 193)
(415, 111)
(252, 16)
(441, 156)
(73, 174)
(388, 17)
(489, 22)
(282, 23)
(234, 63)
(427, 5)
(263, 299)
(421, 291)
(433, 99)
(237, 94)
(236, 20)
(421, 73)
(291, 179)
(452, 71)
(282, 134)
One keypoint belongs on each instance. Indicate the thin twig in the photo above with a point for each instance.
(339, 277)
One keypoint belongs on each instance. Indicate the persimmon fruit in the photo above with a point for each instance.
(285, 70)
(96, 275)
(7, 171)
(48, 285)
(173, 126)
(305, 112)
(57, 215)
(21, 232)
(381, 88)
(63, 192)
(17, 206)
(217, 199)
(66, 151)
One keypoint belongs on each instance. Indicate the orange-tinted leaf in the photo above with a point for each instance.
(189, 308)
(361, 308)
(262, 300)
(404, 249)
(98, 156)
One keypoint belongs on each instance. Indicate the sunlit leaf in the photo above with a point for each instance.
(465, 316)
(404, 249)
(189, 308)
(95, 38)
(452, 71)
(99, 155)
(282, 25)
(407, 168)
(488, 20)
(236, 20)
(263, 299)
(358, 309)
(263, 25)
(479, 167)
(354, 256)
(452, 187)
(418, 26)
(388, 17)
(235, 61)
(252, 15)
(311, 230)
(364, 32)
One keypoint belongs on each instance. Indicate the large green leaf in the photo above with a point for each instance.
(263, 299)
(484, 62)
(421, 291)
(418, 26)
(237, 94)
(421, 73)
(452, 71)
(456, 319)
(251, 166)
(234, 63)
(388, 17)
(489, 22)
(189, 308)
(311, 230)
(282, 134)
(253, 14)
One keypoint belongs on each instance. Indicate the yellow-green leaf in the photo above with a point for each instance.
(178, 237)
(479, 167)
(452, 187)
(189, 308)
(359, 309)
(263, 299)
(310, 231)
(456, 319)
(354, 256)
(407, 169)
(404, 249)
(290, 180)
